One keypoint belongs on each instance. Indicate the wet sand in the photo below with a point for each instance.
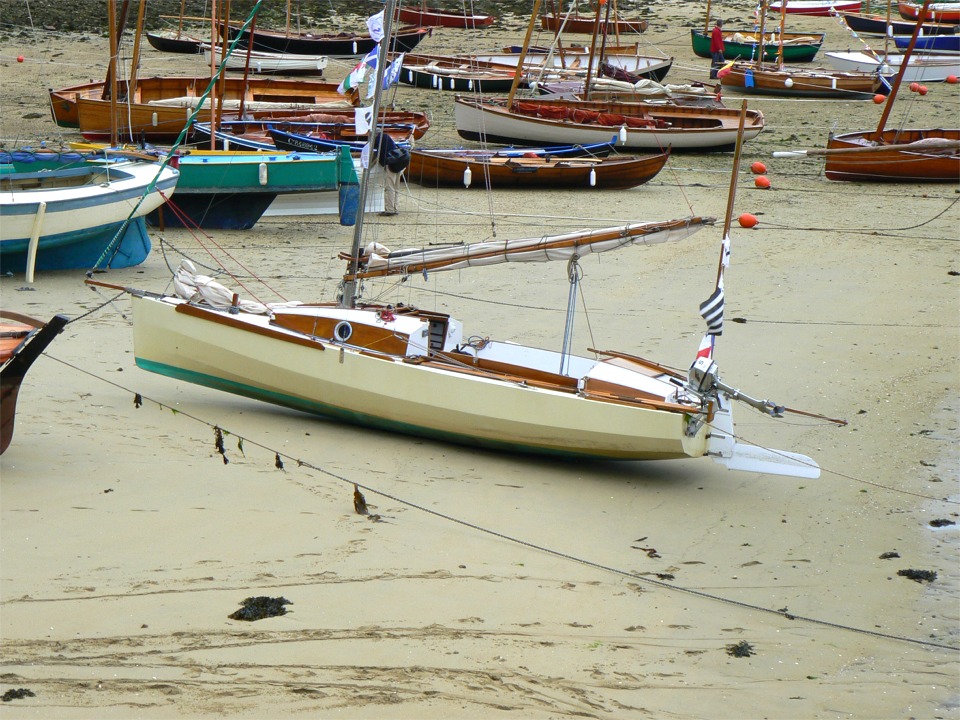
(500, 585)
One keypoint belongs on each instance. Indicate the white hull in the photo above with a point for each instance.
(340, 381)
(495, 123)
(75, 209)
(322, 203)
(920, 68)
(572, 62)
(266, 62)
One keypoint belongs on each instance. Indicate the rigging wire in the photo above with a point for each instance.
(662, 584)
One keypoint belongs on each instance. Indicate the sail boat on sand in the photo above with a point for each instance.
(891, 154)
(419, 372)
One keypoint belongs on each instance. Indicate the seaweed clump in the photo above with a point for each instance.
(17, 694)
(741, 649)
(258, 608)
(919, 576)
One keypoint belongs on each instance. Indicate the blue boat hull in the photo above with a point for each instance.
(80, 250)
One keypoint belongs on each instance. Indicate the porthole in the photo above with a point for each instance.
(342, 331)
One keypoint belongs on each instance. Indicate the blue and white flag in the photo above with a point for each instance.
(711, 310)
(392, 73)
(375, 26)
(363, 119)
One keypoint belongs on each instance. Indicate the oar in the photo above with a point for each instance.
(931, 147)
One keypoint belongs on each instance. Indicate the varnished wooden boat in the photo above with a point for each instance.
(946, 12)
(22, 341)
(815, 8)
(454, 168)
(638, 125)
(745, 45)
(426, 17)
(329, 44)
(584, 24)
(796, 82)
(872, 24)
(160, 106)
(896, 156)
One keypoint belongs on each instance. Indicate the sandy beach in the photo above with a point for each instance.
(498, 585)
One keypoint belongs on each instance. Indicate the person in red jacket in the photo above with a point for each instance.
(716, 49)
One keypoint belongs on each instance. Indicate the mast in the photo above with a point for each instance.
(593, 51)
(904, 61)
(135, 62)
(783, 23)
(349, 296)
(706, 26)
(523, 54)
(112, 70)
(763, 21)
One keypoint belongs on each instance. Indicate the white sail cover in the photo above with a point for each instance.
(538, 249)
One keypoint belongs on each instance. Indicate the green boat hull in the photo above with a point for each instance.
(800, 52)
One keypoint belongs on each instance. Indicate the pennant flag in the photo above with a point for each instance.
(706, 347)
(375, 26)
(353, 79)
(725, 252)
(392, 73)
(363, 119)
(711, 310)
(370, 59)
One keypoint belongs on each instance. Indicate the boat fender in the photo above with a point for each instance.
(467, 176)
(262, 172)
(342, 331)
(593, 177)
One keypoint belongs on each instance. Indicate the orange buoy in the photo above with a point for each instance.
(952, 79)
(762, 181)
(747, 220)
(758, 168)
(878, 98)
(914, 86)
(922, 90)
(19, 58)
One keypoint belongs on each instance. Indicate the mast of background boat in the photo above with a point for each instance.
(183, 10)
(116, 26)
(763, 25)
(221, 93)
(904, 61)
(349, 297)
(246, 69)
(135, 62)
(593, 50)
(112, 70)
(706, 26)
(732, 193)
(783, 23)
(523, 54)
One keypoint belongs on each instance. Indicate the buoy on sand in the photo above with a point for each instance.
(747, 220)
(878, 98)
(758, 168)
(762, 182)
(19, 58)
(952, 79)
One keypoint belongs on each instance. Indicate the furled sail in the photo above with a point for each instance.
(378, 262)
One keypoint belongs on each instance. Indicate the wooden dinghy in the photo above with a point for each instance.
(265, 63)
(745, 45)
(329, 44)
(871, 24)
(947, 12)
(639, 125)
(896, 156)
(22, 341)
(174, 42)
(424, 16)
(586, 25)
(444, 72)
(797, 82)
(815, 8)
(453, 168)
(159, 107)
